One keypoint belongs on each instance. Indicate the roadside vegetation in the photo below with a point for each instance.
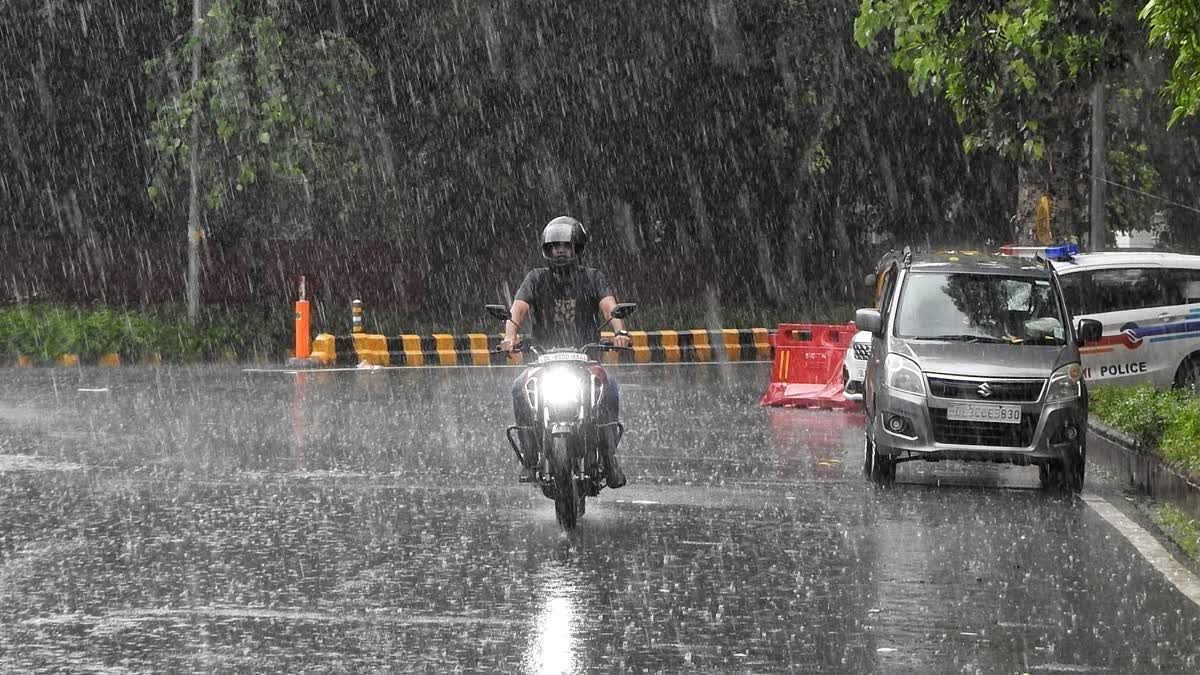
(246, 333)
(1167, 420)
(45, 332)
(1181, 528)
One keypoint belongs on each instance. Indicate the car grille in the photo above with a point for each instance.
(862, 351)
(1000, 390)
(955, 432)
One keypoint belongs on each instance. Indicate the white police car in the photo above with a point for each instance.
(1149, 304)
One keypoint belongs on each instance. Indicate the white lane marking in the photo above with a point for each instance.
(1148, 546)
(356, 369)
(94, 390)
(386, 616)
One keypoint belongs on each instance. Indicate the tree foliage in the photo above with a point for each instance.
(287, 118)
(1175, 26)
(1003, 67)
(746, 145)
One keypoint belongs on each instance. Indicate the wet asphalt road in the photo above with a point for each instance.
(210, 519)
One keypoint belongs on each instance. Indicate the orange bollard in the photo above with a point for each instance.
(356, 309)
(303, 334)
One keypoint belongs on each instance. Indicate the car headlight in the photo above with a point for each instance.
(560, 387)
(903, 374)
(1065, 383)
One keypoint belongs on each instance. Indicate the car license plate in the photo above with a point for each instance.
(858, 374)
(973, 412)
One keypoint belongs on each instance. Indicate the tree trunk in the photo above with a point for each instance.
(1099, 231)
(193, 275)
(1061, 174)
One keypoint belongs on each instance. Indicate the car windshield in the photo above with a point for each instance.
(988, 308)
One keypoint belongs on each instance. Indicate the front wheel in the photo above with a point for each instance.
(881, 469)
(1187, 377)
(1065, 475)
(568, 499)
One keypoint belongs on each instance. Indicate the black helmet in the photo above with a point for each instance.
(564, 229)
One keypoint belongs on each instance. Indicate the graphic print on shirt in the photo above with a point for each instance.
(564, 310)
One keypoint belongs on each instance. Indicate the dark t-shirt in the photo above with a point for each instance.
(565, 307)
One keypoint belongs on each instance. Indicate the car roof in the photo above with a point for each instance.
(1128, 259)
(977, 262)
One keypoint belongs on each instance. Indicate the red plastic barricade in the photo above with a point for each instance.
(807, 371)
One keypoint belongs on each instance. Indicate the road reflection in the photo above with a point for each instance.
(555, 625)
(811, 443)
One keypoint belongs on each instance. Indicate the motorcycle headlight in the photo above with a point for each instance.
(560, 387)
(1065, 383)
(903, 374)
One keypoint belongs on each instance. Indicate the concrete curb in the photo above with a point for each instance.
(110, 360)
(477, 349)
(1142, 467)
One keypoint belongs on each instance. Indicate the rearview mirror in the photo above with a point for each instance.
(498, 311)
(869, 319)
(623, 309)
(869, 280)
(1089, 330)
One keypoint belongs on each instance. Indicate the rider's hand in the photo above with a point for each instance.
(620, 340)
(509, 345)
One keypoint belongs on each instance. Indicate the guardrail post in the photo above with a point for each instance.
(356, 309)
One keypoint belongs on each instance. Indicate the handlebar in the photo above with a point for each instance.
(526, 346)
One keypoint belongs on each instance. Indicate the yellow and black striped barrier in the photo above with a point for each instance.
(477, 349)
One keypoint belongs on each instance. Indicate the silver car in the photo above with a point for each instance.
(974, 357)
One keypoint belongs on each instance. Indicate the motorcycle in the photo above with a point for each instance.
(564, 387)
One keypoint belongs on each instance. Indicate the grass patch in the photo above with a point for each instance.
(1181, 528)
(45, 332)
(1166, 420)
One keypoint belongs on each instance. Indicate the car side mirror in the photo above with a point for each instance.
(623, 309)
(1089, 330)
(498, 311)
(869, 319)
(869, 280)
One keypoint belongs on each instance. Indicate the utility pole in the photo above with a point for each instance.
(193, 275)
(1096, 206)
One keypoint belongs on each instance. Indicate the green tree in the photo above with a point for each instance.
(1175, 26)
(1017, 76)
(279, 120)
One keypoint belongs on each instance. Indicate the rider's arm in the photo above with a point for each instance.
(607, 303)
(520, 310)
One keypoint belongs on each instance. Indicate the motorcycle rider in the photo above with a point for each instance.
(569, 302)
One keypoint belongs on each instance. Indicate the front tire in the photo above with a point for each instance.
(881, 469)
(568, 499)
(1064, 475)
(1187, 377)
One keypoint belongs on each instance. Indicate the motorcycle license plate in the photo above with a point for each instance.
(562, 356)
(974, 412)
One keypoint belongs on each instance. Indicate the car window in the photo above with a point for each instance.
(1073, 291)
(1181, 286)
(1118, 290)
(968, 307)
(886, 286)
